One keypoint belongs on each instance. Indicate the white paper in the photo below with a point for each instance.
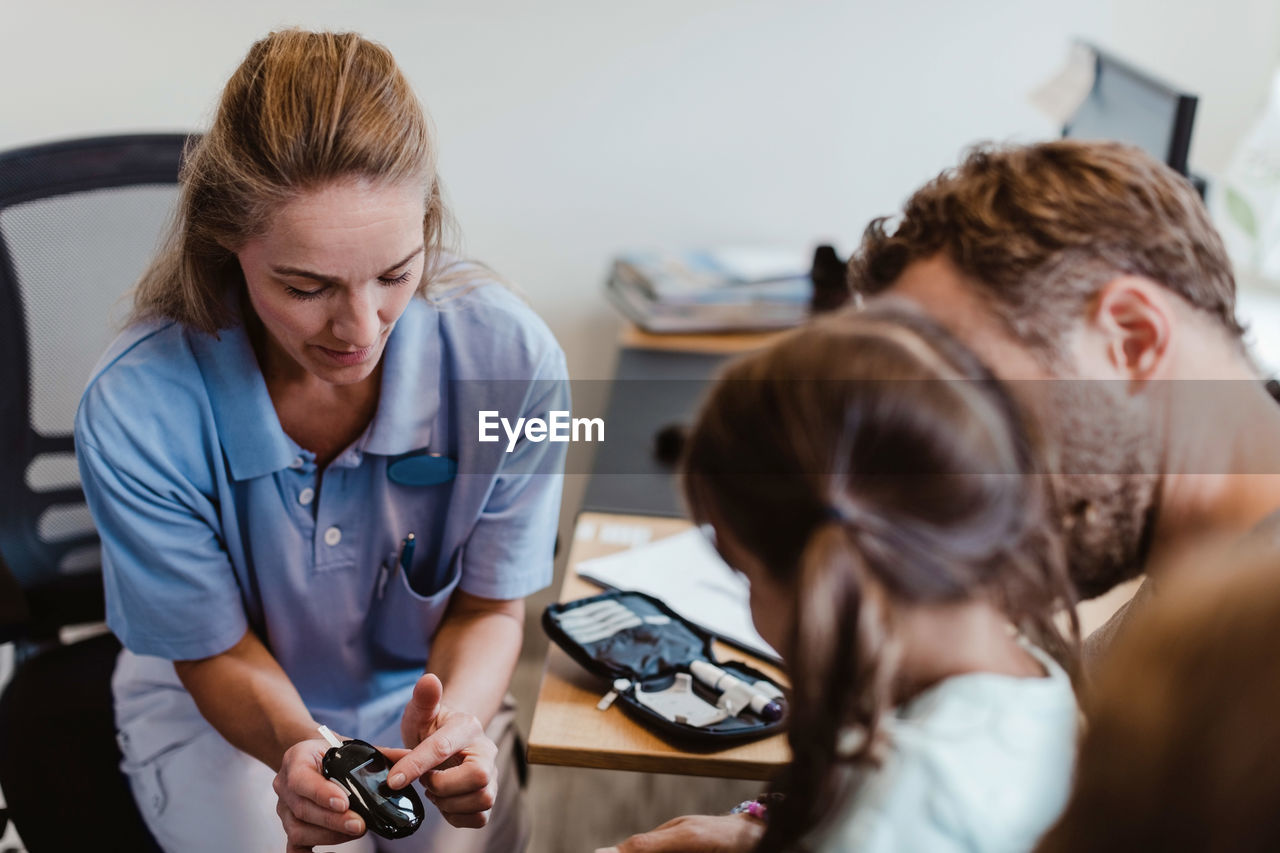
(685, 572)
(761, 263)
(631, 535)
(1061, 95)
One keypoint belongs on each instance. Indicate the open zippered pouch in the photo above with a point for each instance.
(663, 672)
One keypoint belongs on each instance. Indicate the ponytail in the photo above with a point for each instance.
(842, 666)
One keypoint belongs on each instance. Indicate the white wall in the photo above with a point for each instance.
(1224, 51)
(570, 129)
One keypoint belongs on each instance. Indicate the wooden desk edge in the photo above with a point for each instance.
(686, 764)
(727, 343)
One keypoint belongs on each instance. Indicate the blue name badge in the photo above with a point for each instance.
(422, 468)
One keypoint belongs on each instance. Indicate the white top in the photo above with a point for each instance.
(979, 763)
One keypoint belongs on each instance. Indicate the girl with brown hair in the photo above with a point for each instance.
(299, 523)
(877, 488)
(1184, 714)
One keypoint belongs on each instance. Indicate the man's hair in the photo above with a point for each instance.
(1041, 228)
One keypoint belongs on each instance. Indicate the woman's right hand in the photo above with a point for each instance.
(314, 810)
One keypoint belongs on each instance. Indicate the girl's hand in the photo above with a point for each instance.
(314, 810)
(735, 833)
(450, 753)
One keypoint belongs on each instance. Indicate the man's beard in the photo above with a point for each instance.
(1104, 458)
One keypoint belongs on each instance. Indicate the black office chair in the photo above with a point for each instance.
(79, 221)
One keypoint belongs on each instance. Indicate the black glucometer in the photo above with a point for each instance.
(362, 771)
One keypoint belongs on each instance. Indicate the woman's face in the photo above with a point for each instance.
(772, 603)
(332, 274)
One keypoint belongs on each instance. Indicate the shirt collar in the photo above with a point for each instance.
(249, 430)
(409, 399)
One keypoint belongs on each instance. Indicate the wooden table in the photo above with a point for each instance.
(723, 343)
(568, 729)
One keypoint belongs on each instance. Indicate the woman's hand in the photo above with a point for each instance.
(313, 809)
(735, 833)
(450, 753)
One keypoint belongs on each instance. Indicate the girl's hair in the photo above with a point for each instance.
(868, 461)
(1184, 715)
(302, 110)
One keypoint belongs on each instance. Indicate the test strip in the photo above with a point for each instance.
(606, 630)
(591, 612)
(602, 619)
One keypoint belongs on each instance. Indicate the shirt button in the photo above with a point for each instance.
(296, 463)
(306, 496)
(332, 536)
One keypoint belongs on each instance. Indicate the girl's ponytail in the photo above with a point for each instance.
(839, 641)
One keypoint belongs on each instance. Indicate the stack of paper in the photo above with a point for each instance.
(686, 572)
(713, 290)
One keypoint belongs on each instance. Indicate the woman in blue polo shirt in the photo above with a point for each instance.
(297, 394)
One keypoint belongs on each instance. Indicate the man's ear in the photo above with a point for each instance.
(1136, 319)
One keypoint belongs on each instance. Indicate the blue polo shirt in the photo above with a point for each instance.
(214, 521)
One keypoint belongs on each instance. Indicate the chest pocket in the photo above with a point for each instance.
(402, 621)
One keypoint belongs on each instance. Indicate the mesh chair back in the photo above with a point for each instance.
(79, 222)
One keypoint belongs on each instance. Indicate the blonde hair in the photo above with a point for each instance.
(302, 110)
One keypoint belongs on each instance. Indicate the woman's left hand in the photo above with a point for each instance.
(450, 753)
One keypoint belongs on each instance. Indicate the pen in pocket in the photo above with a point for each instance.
(406, 554)
(403, 562)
